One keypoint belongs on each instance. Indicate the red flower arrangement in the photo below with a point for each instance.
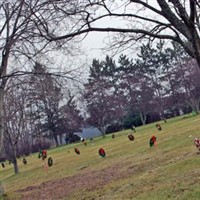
(131, 137)
(77, 151)
(152, 141)
(102, 152)
(42, 154)
(197, 143)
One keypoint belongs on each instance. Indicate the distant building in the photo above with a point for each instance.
(90, 132)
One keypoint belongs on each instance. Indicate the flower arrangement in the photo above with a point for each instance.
(158, 126)
(77, 151)
(50, 161)
(152, 141)
(197, 143)
(42, 154)
(24, 161)
(131, 137)
(102, 152)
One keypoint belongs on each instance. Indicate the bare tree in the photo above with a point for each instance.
(16, 124)
(175, 20)
(22, 40)
(46, 97)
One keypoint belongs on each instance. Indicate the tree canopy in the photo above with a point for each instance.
(133, 20)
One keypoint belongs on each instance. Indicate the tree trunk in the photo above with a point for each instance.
(103, 130)
(1, 118)
(61, 139)
(55, 139)
(2, 192)
(16, 169)
(194, 104)
(143, 118)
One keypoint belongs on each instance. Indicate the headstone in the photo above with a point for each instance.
(133, 128)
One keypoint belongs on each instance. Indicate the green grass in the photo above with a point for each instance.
(168, 171)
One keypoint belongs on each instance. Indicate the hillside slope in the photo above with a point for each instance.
(130, 170)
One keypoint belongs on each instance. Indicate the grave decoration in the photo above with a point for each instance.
(158, 126)
(83, 140)
(133, 128)
(152, 141)
(131, 137)
(24, 161)
(197, 143)
(102, 152)
(3, 165)
(77, 151)
(39, 154)
(91, 140)
(50, 161)
(42, 154)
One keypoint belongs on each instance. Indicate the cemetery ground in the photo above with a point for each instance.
(130, 170)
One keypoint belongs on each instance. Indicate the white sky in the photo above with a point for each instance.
(95, 42)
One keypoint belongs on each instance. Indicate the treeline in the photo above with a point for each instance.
(160, 82)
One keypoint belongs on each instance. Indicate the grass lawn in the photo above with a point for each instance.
(130, 170)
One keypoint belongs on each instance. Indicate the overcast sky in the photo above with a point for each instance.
(95, 42)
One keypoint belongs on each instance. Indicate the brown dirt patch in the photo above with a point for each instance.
(89, 180)
(63, 188)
